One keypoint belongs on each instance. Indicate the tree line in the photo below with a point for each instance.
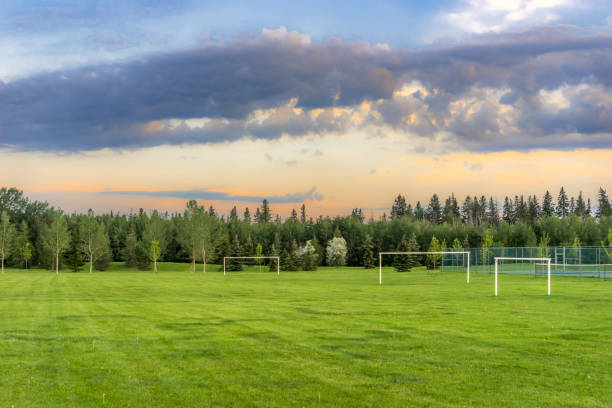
(32, 233)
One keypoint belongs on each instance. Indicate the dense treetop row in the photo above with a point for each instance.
(34, 233)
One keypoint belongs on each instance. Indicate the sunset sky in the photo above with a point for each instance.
(119, 105)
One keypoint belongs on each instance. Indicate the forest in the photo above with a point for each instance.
(34, 234)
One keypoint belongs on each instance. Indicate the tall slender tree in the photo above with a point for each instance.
(548, 208)
(562, 204)
(367, 248)
(7, 233)
(56, 238)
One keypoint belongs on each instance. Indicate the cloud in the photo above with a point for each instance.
(473, 166)
(481, 16)
(310, 195)
(489, 94)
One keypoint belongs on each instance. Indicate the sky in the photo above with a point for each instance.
(118, 105)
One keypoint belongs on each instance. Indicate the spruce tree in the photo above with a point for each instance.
(434, 210)
(562, 204)
(303, 214)
(275, 251)
(419, 213)
(401, 263)
(367, 248)
(413, 246)
(492, 212)
(74, 254)
(235, 250)
(309, 257)
(604, 209)
(265, 215)
(547, 206)
(398, 209)
(129, 251)
(508, 211)
(294, 259)
(247, 215)
(580, 209)
(233, 214)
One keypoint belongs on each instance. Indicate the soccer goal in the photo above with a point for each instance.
(443, 253)
(252, 257)
(503, 258)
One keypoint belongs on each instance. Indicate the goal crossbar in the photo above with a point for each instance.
(254, 257)
(380, 254)
(506, 258)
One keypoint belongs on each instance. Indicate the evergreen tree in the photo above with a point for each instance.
(572, 206)
(265, 215)
(562, 204)
(258, 216)
(434, 210)
(588, 208)
(533, 209)
(401, 263)
(143, 257)
(309, 257)
(413, 246)
(303, 214)
(222, 246)
(580, 209)
(233, 214)
(235, 250)
(367, 248)
(320, 253)
(508, 211)
(247, 215)
(492, 212)
(294, 215)
(398, 209)
(275, 251)
(419, 213)
(466, 211)
(129, 252)
(605, 208)
(547, 206)
(74, 254)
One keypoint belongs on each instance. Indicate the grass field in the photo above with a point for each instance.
(333, 337)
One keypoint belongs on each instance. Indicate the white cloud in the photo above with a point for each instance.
(481, 16)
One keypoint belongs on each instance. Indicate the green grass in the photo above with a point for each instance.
(332, 338)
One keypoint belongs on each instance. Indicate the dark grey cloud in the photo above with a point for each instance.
(310, 195)
(116, 105)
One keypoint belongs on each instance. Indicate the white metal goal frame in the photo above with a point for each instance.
(380, 254)
(507, 258)
(253, 257)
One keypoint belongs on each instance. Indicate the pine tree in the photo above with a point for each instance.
(367, 248)
(466, 210)
(303, 213)
(74, 255)
(604, 209)
(129, 251)
(562, 204)
(309, 257)
(294, 215)
(247, 215)
(143, 257)
(508, 211)
(265, 215)
(419, 214)
(413, 246)
(492, 212)
(398, 209)
(233, 214)
(547, 206)
(401, 263)
(434, 210)
(580, 209)
(235, 250)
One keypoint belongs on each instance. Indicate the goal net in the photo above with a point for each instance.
(518, 265)
(584, 270)
(256, 263)
(435, 256)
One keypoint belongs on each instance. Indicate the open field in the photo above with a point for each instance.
(333, 337)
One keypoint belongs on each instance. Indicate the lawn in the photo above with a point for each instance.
(333, 338)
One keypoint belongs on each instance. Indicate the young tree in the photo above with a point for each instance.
(154, 253)
(336, 252)
(95, 240)
(486, 244)
(56, 238)
(25, 252)
(367, 248)
(543, 246)
(401, 263)
(456, 244)
(235, 250)
(7, 232)
(434, 246)
(413, 246)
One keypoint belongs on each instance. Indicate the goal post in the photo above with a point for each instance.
(380, 255)
(506, 258)
(252, 257)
